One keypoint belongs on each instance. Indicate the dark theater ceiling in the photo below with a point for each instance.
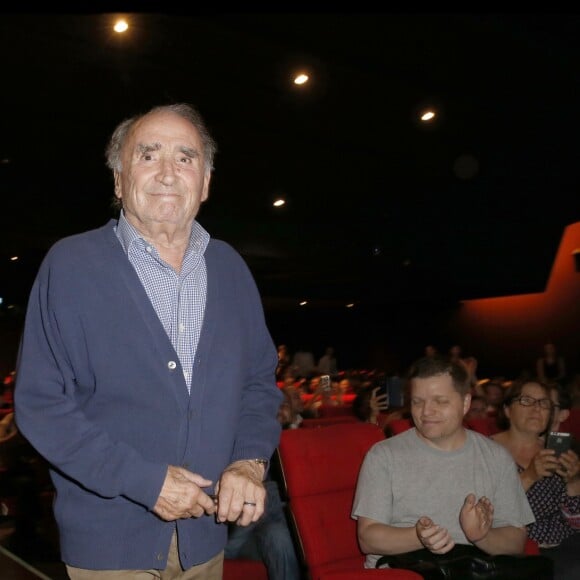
(382, 208)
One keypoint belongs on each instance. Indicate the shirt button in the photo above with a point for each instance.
(171, 365)
(160, 556)
(181, 327)
(148, 248)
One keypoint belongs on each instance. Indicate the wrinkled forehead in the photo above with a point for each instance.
(163, 129)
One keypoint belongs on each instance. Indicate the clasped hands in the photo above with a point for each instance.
(475, 519)
(239, 494)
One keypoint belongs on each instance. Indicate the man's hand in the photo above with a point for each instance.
(476, 518)
(182, 497)
(241, 493)
(435, 538)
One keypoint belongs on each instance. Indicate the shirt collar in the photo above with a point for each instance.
(128, 235)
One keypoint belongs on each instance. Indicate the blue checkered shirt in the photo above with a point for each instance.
(178, 299)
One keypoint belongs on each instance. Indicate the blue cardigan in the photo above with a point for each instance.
(101, 395)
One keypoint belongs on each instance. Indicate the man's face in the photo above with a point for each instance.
(163, 179)
(494, 394)
(438, 411)
(477, 409)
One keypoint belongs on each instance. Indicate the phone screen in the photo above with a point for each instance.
(559, 442)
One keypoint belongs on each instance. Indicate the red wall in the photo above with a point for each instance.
(511, 330)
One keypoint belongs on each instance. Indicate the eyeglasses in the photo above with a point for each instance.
(526, 401)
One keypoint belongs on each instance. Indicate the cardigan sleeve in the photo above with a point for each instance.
(258, 431)
(49, 412)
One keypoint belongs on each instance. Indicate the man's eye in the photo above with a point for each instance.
(185, 160)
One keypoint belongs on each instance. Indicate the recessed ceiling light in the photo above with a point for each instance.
(121, 26)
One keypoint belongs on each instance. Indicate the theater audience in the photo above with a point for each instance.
(551, 366)
(440, 488)
(269, 538)
(468, 362)
(477, 408)
(552, 483)
(494, 394)
(291, 408)
(327, 364)
(370, 406)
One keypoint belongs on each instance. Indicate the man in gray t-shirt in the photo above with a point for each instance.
(439, 484)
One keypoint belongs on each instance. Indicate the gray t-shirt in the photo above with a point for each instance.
(403, 478)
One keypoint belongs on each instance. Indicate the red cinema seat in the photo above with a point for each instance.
(320, 468)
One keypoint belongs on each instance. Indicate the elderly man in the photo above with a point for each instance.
(439, 485)
(146, 371)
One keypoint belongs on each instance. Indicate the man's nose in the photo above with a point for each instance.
(167, 171)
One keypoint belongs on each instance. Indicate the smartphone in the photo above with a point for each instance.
(383, 384)
(559, 442)
(325, 383)
(384, 388)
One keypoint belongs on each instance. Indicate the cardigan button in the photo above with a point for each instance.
(171, 365)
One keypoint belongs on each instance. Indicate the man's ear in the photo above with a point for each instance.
(466, 404)
(117, 178)
(205, 190)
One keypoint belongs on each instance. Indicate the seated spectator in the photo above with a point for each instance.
(431, 351)
(322, 395)
(439, 488)
(269, 538)
(369, 406)
(477, 417)
(551, 366)
(477, 408)
(283, 362)
(562, 402)
(303, 365)
(327, 364)
(494, 394)
(574, 390)
(552, 483)
(469, 362)
(7, 427)
(291, 409)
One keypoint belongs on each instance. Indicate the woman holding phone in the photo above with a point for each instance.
(551, 481)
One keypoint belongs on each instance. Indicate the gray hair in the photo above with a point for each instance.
(184, 110)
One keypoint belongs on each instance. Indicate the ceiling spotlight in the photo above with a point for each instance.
(301, 79)
(14, 258)
(304, 303)
(279, 203)
(351, 305)
(428, 115)
(121, 26)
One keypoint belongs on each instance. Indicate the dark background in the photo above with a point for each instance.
(401, 219)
